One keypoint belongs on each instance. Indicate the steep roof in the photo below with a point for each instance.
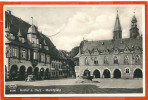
(117, 26)
(15, 23)
(110, 45)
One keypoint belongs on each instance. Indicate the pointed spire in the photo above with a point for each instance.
(117, 26)
(117, 29)
(134, 20)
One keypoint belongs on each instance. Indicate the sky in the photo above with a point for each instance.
(73, 24)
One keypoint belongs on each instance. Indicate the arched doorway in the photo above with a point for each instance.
(138, 73)
(96, 74)
(13, 72)
(29, 71)
(36, 70)
(22, 73)
(86, 73)
(42, 73)
(117, 73)
(47, 74)
(106, 73)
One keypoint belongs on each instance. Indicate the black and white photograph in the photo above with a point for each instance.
(74, 50)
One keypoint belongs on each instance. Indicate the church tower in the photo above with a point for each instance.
(134, 31)
(117, 29)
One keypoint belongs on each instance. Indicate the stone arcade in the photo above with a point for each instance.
(116, 58)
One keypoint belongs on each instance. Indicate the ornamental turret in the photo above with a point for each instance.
(134, 31)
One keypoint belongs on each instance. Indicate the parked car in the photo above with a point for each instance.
(30, 78)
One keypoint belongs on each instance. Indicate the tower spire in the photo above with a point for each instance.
(117, 28)
(134, 12)
(134, 31)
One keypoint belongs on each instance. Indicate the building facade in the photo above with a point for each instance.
(116, 58)
(29, 52)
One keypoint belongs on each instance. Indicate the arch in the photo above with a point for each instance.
(42, 72)
(117, 73)
(13, 72)
(106, 73)
(138, 73)
(29, 71)
(86, 73)
(96, 74)
(36, 70)
(47, 75)
(115, 60)
(22, 73)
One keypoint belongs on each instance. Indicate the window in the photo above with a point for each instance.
(54, 65)
(28, 54)
(40, 45)
(86, 61)
(23, 54)
(126, 60)
(42, 57)
(47, 59)
(115, 60)
(53, 73)
(8, 51)
(37, 41)
(14, 52)
(95, 61)
(34, 55)
(137, 59)
(105, 60)
(127, 70)
(60, 73)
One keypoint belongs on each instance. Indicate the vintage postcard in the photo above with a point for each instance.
(74, 50)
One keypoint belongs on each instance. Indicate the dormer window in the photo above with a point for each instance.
(102, 43)
(46, 48)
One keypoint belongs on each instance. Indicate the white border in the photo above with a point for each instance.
(79, 95)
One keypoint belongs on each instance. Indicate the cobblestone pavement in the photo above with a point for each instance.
(101, 83)
(76, 86)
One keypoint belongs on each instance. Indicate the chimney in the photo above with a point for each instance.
(9, 12)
